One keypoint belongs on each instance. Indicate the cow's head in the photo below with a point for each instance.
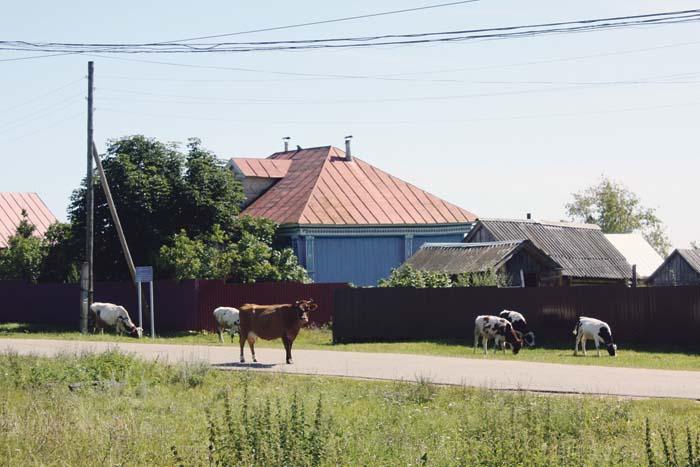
(305, 307)
(529, 339)
(612, 349)
(512, 338)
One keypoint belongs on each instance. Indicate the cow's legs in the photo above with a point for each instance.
(287, 348)
(583, 344)
(241, 341)
(485, 343)
(476, 339)
(576, 345)
(251, 343)
(597, 345)
(220, 332)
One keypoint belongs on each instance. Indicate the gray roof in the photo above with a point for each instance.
(456, 258)
(692, 256)
(581, 249)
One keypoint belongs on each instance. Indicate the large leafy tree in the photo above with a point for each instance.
(616, 209)
(158, 191)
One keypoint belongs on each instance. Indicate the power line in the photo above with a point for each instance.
(327, 21)
(507, 32)
(41, 96)
(409, 122)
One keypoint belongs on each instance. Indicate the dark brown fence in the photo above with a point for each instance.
(654, 315)
(216, 293)
(179, 306)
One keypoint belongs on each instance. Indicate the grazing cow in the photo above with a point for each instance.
(498, 329)
(599, 331)
(273, 322)
(116, 316)
(227, 319)
(519, 326)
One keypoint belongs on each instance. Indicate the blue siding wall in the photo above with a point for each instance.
(361, 260)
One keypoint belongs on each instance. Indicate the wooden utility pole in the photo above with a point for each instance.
(90, 208)
(115, 216)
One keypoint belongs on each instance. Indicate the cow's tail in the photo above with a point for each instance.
(578, 325)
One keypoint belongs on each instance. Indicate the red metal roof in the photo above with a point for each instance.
(266, 168)
(321, 187)
(11, 205)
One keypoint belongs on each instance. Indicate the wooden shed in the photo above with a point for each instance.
(682, 267)
(522, 263)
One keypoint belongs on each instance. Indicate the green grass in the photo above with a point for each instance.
(191, 415)
(320, 339)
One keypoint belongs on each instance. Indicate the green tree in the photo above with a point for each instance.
(616, 209)
(408, 276)
(23, 257)
(58, 264)
(245, 256)
(159, 192)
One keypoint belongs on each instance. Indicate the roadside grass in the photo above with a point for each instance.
(190, 415)
(669, 357)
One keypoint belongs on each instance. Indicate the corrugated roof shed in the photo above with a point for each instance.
(457, 258)
(637, 250)
(581, 249)
(11, 205)
(692, 256)
(322, 187)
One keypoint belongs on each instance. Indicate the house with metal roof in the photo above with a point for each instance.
(585, 255)
(637, 251)
(520, 261)
(682, 267)
(347, 220)
(11, 206)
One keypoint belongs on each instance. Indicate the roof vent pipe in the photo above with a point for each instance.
(348, 154)
(529, 216)
(286, 143)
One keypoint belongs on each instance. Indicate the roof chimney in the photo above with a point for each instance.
(529, 216)
(348, 154)
(286, 143)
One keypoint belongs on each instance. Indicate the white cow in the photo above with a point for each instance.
(114, 316)
(498, 329)
(227, 318)
(519, 326)
(599, 331)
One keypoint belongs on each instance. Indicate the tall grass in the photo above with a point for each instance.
(187, 414)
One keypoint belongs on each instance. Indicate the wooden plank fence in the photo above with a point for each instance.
(654, 315)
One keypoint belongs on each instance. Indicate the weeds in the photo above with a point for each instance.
(670, 456)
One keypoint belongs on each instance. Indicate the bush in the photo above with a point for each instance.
(408, 276)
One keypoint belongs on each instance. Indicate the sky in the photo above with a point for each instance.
(500, 128)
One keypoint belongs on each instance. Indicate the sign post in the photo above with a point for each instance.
(145, 274)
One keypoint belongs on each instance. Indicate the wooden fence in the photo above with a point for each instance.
(653, 315)
(179, 306)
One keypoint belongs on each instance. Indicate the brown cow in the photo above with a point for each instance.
(273, 322)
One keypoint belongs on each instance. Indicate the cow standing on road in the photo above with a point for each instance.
(273, 322)
(599, 331)
(227, 319)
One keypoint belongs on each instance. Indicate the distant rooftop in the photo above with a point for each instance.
(11, 205)
(637, 251)
(322, 187)
(581, 249)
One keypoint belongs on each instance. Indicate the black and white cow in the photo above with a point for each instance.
(519, 326)
(498, 329)
(598, 331)
(116, 316)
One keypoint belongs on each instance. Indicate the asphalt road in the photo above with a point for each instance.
(476, 372)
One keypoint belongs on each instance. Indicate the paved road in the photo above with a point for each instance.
(485, 373)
